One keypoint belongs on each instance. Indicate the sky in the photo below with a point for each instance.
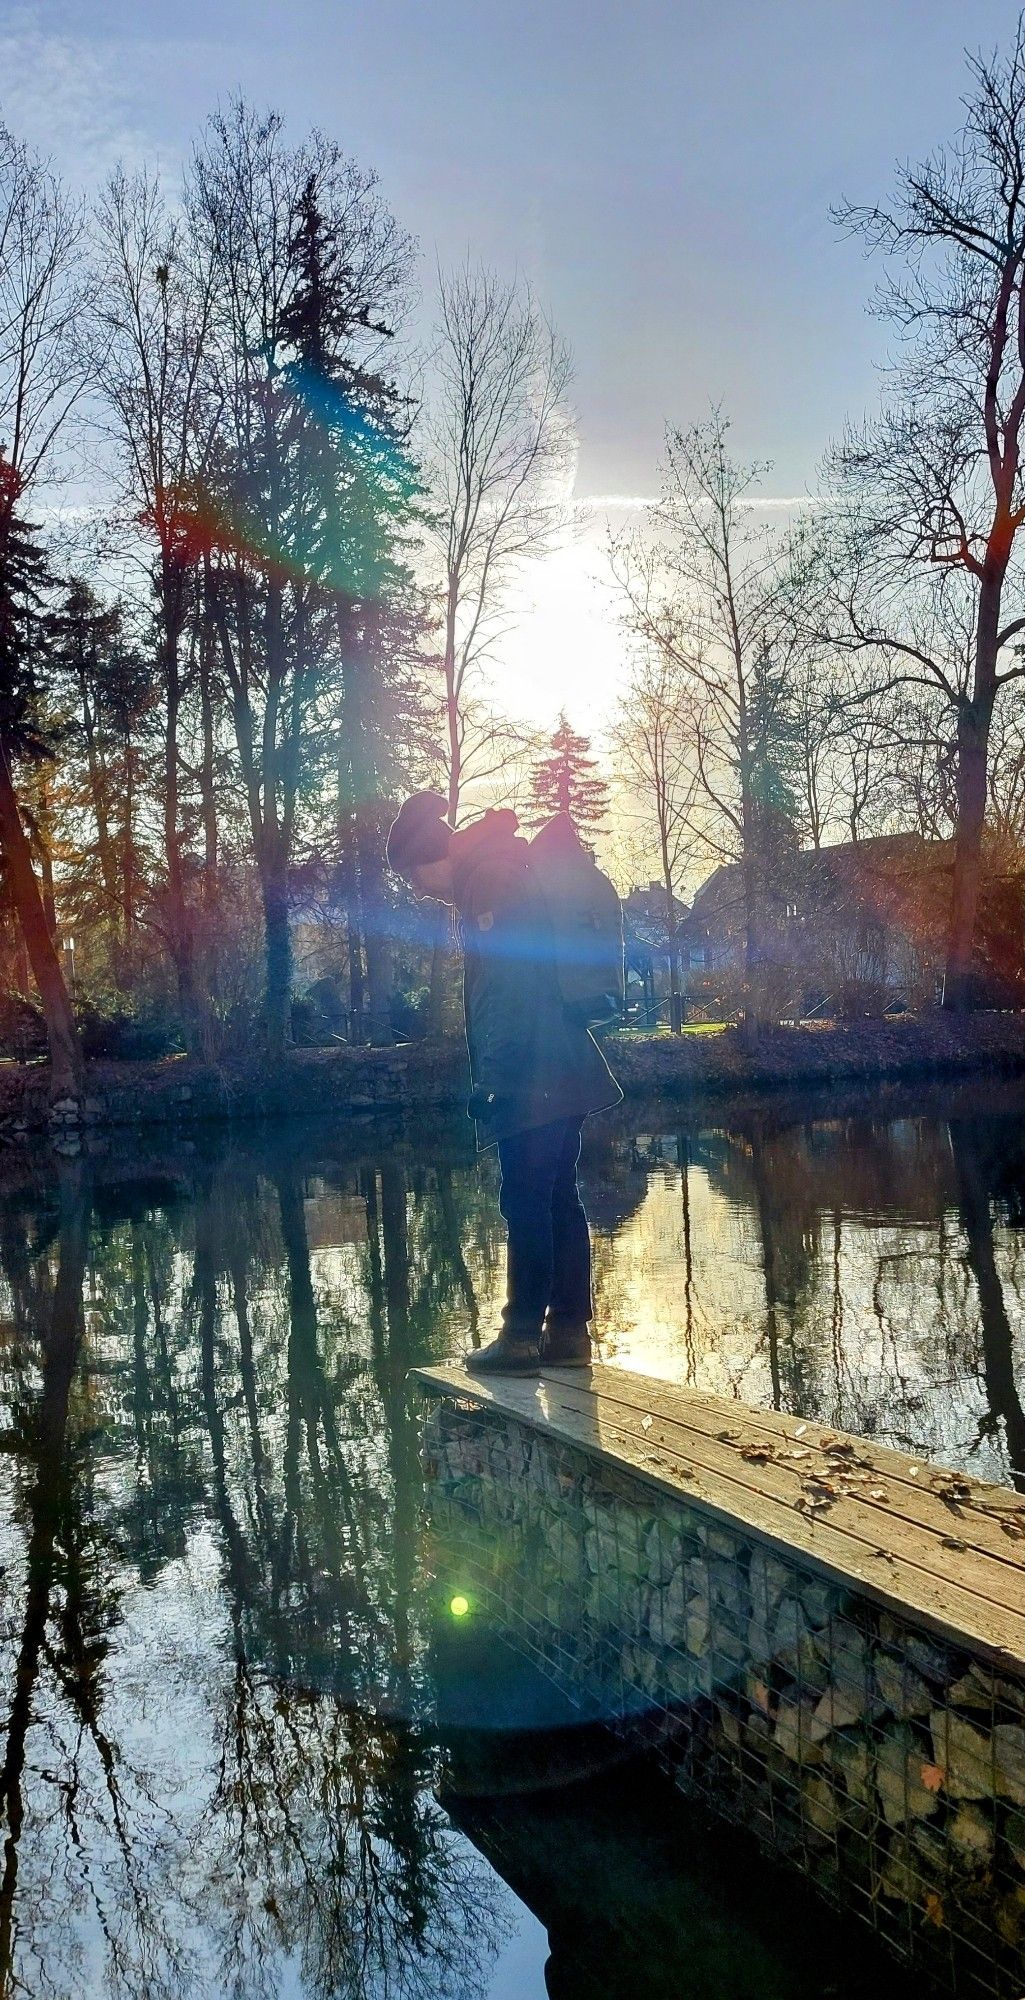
(662, 172)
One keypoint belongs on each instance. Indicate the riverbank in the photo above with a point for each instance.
(338, 1083)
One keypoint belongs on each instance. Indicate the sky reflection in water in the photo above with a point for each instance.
(219, 1773)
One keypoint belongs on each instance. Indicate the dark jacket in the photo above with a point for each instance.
(540, 1065)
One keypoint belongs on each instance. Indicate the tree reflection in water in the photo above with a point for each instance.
(213, 1628)
(861, 1270)
(213, 1778)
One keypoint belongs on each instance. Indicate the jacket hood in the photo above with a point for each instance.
(493, 838)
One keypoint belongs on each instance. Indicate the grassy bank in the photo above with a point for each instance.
(339, 1082)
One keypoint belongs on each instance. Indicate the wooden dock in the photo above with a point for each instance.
(912, 1536)
(823, 1638)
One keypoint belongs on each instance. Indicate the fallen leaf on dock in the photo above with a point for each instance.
(878, 1493)
(646, 1423)
(728, 1437)
(837, 1447)
(952, 1487)
(800, 1451)
(952, 1542)
(816, 1496)
(757, 1454)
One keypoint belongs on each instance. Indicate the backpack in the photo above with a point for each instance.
(586, 919)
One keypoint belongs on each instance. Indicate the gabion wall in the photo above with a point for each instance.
(886, 1764)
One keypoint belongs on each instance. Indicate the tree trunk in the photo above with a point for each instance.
(455, 748)
(67, 1073)
(672, 945)
(770, 1258)
(22, 972)
(750, 870)
(208, 800)
(128, 848)
(369, 848)
(973, 727)
(195, 1017)
(1002, 1389)
(376, 942)
(393, 1372)
(357, 987)
(752, 942)
(49, 888)
(98, 789)
(47, 1506)
(278, 942)
(443, 950)
(366, 790)
(972, 764)
(347, 797)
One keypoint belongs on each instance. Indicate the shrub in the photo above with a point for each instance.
(861, 999)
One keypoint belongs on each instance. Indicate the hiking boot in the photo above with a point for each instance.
(566, 1343)
(508, 1355)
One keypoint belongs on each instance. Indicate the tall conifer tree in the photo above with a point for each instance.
(566, 781)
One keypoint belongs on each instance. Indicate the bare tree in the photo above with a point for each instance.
(42, 299)
(153, 317)
(933, 489)
(708, 593)
(41, 377)
(498, 458)
(654, 739)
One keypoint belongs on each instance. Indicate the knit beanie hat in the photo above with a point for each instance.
(419, 833)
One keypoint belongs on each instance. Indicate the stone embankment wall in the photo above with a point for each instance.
(885, 1763)
(178, 1092)
(937, 1045)
(312, 1082)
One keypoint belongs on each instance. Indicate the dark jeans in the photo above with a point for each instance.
(549, 1256)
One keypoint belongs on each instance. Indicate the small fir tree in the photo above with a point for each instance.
(773, 737)
(24, 580)
(565, 781)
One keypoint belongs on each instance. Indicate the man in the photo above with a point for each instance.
(535, 1074)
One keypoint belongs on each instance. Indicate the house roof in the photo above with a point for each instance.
(899, 879)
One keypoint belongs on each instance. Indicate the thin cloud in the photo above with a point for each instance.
(639, 503)
(81, 102)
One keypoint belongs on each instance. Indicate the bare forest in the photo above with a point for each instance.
(269, 490)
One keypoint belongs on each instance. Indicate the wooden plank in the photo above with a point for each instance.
(918, 1509)
(919, 1505)
(567, 1409)
(957, 1613)
(994, 1582)
(979, 1522)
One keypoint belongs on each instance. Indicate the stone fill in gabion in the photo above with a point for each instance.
(884, 1762)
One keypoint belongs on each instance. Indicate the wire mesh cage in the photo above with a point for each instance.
(885, 1763)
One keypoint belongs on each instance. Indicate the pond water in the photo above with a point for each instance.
(222, 1667)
